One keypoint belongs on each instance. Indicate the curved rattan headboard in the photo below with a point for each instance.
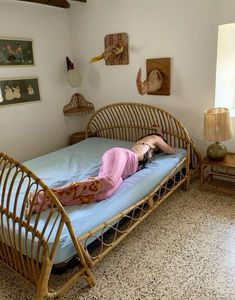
(130, 121)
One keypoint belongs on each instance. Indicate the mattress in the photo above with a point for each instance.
(81, 160)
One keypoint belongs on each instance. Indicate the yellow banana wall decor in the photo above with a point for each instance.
(116, 50)
(111, 50)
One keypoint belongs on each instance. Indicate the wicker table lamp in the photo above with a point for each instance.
(217, 128)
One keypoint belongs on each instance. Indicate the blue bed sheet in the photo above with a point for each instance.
(83, 159)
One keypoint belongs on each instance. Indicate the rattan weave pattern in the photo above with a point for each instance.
(130, 121)
(78, 105)
(23, 245)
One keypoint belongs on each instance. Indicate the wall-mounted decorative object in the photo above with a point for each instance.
(74, 76)
(116, 50)
(57, 3)
(78, 105)
(158, 77)
(16, 52)
(18, 90)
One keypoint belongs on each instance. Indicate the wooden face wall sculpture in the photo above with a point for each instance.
(157, 81)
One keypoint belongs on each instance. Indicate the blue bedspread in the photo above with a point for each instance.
(83, 159)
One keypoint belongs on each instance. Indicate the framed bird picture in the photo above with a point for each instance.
(16, 52)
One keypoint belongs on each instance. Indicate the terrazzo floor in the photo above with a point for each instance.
(184, 250)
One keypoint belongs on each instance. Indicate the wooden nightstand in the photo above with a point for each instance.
(218, 174)
(77, 137)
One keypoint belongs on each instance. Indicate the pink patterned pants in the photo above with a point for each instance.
(117, 164)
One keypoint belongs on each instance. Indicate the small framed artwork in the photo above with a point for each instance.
(18, 90)
(16, 52)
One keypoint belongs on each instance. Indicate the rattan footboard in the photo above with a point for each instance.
(23, 241)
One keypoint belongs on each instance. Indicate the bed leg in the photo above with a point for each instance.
(186, 184)
(42, 286)
(40, 295)
(151, 202)
(89, 278)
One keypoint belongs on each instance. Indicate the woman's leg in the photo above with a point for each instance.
(67, 195)
(110, 175)
(97, 188)
(89, 190)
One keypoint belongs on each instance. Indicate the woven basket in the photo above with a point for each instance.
(77, 137)
(78, 105)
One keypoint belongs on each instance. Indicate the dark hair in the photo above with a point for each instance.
(156, 150)
(147, 158)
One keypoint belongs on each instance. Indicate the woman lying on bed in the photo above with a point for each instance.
(117, 164)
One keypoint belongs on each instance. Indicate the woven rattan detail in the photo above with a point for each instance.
(77, 137)
(24, 245)
(112, 231)
(130, 121)
(78, 105)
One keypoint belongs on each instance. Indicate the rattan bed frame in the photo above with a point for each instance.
(126, 121)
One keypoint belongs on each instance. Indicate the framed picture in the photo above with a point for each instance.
(16, 52)
(18, 90)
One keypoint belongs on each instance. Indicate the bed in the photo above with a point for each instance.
(36, 245)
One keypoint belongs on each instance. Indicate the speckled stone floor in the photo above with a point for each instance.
(184, 250)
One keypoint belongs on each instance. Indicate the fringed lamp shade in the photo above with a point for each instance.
(217, 128)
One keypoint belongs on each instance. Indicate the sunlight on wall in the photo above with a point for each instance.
(225, 70)
(1, 97)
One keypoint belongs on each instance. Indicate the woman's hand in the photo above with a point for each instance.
(158, 129)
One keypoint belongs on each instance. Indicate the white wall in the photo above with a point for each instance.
(185, 30)
(31, 129)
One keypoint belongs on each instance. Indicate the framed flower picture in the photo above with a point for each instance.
(16, 52)
(18, 90)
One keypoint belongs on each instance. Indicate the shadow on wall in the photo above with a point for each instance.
(93, 77)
